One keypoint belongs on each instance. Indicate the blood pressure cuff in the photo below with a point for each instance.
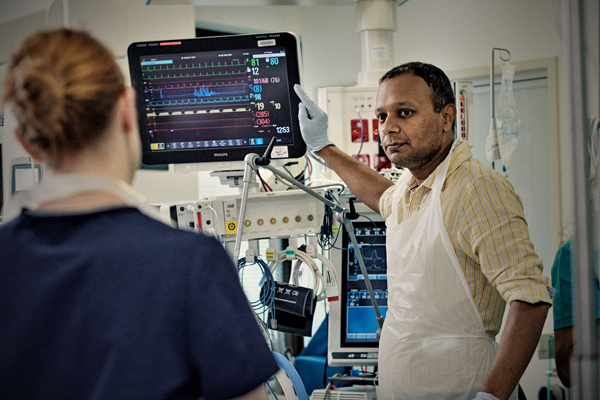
(294, 309)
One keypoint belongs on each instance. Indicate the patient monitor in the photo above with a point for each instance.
(207, 102)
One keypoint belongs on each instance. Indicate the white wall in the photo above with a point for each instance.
(330, 46)
(117, 23)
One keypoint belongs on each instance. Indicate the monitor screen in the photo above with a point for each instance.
(22, 177)
(216, 99)
(353, 326)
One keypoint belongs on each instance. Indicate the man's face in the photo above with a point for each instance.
(410, 130)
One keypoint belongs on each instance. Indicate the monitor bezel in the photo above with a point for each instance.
(341, 352)
(22, 164)
(235, 155)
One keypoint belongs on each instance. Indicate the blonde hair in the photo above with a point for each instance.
(64, 86)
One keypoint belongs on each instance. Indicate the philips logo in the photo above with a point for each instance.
(220, 154)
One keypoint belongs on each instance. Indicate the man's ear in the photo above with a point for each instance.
(449, 114)
(28, 146)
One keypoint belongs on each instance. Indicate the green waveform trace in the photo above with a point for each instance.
(175, 76)
(155, 68)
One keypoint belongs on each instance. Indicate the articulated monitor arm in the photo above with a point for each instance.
(253, 162)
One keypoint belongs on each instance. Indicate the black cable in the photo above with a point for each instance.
(367, 244)
(388, 162)
(374, 225)
(325, 374)
(324, 237)
(300, 176)
(288, 171)
(328, 388)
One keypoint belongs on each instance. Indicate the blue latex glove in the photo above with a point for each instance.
(485, 396)
(313, 122)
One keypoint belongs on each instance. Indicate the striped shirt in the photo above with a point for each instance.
(485, 221)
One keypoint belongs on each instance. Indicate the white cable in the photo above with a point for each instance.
(214, 213)
(286, 385)
(46, 16)
(331, 291)
(328, 280)
(216, 223)
(295, 275)
(322, 295)
(329, 270)
(281, 256)
(318, 277)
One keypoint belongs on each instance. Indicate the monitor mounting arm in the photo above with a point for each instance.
(252, 162)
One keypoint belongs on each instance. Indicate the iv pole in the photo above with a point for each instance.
(252, 162)
(584, 361)
(492, 108)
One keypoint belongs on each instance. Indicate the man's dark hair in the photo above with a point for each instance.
(435, 78)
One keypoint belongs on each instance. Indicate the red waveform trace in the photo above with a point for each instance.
(199, 121)
(198, 128)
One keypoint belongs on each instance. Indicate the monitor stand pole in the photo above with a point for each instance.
(252, 162)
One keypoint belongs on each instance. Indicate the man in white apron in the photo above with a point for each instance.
(457, 248)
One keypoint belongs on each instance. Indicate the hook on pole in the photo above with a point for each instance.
(500, 53)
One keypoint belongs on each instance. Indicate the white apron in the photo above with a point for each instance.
(56, 186)
(433, 343)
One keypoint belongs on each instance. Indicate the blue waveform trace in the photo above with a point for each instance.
(202, 91)
(186, 102)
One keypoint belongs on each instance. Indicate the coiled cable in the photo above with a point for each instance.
(266, 300)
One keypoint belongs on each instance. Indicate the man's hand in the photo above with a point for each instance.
(364, 182)
(485, 396)
(313, 121)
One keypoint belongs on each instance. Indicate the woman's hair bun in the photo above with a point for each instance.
(40, 97)
(64, 86)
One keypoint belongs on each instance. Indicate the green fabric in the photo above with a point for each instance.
(561, 281)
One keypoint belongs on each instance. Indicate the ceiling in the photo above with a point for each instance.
(257, 2)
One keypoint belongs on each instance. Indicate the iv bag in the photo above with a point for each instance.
(508, 120)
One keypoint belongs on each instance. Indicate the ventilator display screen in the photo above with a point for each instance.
(358, 316)
(352, 334)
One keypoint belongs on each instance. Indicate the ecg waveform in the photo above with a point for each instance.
(190, 70)
(371, 239)
(213, 96)
(195, 95)
(374, 257)
(185, 65)
(182, 85)
(183, 108)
